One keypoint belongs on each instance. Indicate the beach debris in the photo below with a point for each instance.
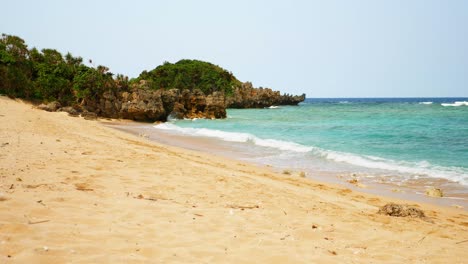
(19, 179)
(302, 174)
(143, 135)
(37, 222)
(457, 206)
(353, 181)
(34, 186)
(401, 210)
(434, 192)
(140, 196)
(286, 172)
(3, 198)
(242, 207)
(356, 183)
(463, 241)
(5, 144)
(83, 187)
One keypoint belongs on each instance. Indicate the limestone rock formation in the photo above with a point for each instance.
(141, 103)
(247, 96)
(434, 192)
(401, 210)
(50, 107)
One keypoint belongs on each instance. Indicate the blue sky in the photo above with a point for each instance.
(362, 48)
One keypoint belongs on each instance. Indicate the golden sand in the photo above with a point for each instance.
(75, 191)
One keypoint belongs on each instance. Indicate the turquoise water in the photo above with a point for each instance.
(407, 138)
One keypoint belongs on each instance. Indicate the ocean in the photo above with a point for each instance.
(391, 140)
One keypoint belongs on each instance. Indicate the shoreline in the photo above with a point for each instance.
(410, 190)
(74, 190)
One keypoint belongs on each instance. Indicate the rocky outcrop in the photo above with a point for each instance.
(144, 104)
(50, 107)
(247, 96)
(140, 105)
(401, 210)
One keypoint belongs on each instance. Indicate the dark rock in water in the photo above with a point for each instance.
(178, 112)
(215, 105)
(169, 98)
(434, 192)
(400, 210)
(50, 107)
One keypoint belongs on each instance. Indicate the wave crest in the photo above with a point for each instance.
(236, 137)
(459, 103)
(416, 169)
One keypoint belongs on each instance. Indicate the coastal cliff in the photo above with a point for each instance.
(144, 104)
(185, 89)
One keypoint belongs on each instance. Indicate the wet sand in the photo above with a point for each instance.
(75, 191)
(455, 195)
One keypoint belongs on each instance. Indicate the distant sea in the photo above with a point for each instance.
(396, 139)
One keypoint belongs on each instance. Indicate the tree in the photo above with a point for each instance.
(191, 74)
(90, 82)
(15, 67)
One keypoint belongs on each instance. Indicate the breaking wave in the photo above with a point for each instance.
(415, 169)
(459, 103)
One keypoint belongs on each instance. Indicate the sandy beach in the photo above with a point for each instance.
(76, 191)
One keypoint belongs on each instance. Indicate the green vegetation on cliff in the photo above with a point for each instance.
(191, 74)
(46, 75)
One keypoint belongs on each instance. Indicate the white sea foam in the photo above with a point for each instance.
(425, 103)
(459, 103)
(415, 169)
(274, 107)
(235, 137)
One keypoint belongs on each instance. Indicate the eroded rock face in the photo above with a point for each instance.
(141, 105)
(249, 97)
(215, 105)
(157, 105)
(144, 104)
